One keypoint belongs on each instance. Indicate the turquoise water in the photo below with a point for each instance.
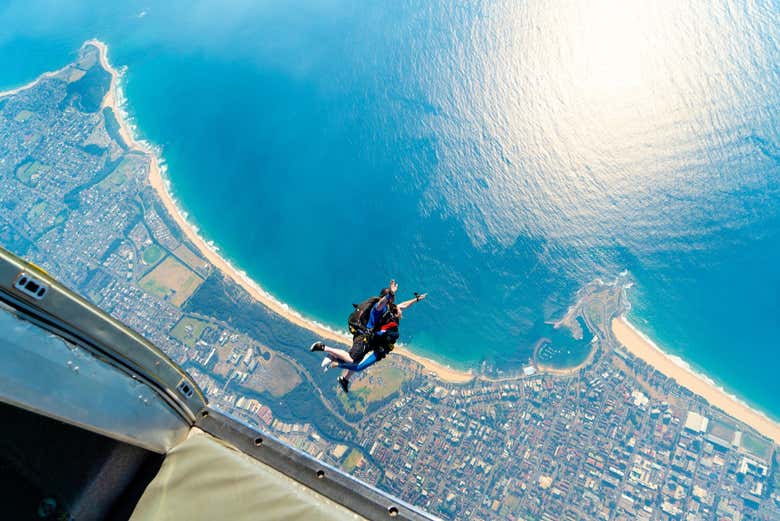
(497, 155)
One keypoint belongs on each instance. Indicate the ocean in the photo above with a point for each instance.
(498, 155)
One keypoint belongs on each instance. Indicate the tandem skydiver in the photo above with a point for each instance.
(374, 328)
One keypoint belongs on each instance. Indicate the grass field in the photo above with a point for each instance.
(119, 176)
(114, 181)
(75, 75)
(761, 447)
(28, 173)
(277, 376)
(188, 330)
(593, 312)
(152, 254)
(379, 382)
(353, 460)
(189, 258)
(382, 383)
(22, 115)
(171, 279)
(722, 430)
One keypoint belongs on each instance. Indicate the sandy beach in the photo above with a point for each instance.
(640, 347)
(445, 373)
(442, 371)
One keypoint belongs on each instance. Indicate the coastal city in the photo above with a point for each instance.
(611, 438)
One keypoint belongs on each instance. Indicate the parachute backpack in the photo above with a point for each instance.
(358, 319)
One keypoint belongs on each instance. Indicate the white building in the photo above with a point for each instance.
(697, 423)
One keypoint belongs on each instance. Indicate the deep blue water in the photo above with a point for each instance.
(497, 154)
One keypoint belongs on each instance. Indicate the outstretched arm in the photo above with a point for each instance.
(380, 305)
(408, 303)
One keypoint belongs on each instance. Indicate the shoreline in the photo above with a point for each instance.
(158, 183)
(45, 75)
(638, 344)
(625, 332)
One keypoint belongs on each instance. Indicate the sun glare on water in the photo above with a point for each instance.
(608, 45)
(582, 100)
(615, 53)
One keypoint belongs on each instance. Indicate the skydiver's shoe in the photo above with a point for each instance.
(326, 363)
(344, 383)
(317, 346)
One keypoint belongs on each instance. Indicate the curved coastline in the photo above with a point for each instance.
(641, 346)
(626, 333)
(160, 185)
(565, 371)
